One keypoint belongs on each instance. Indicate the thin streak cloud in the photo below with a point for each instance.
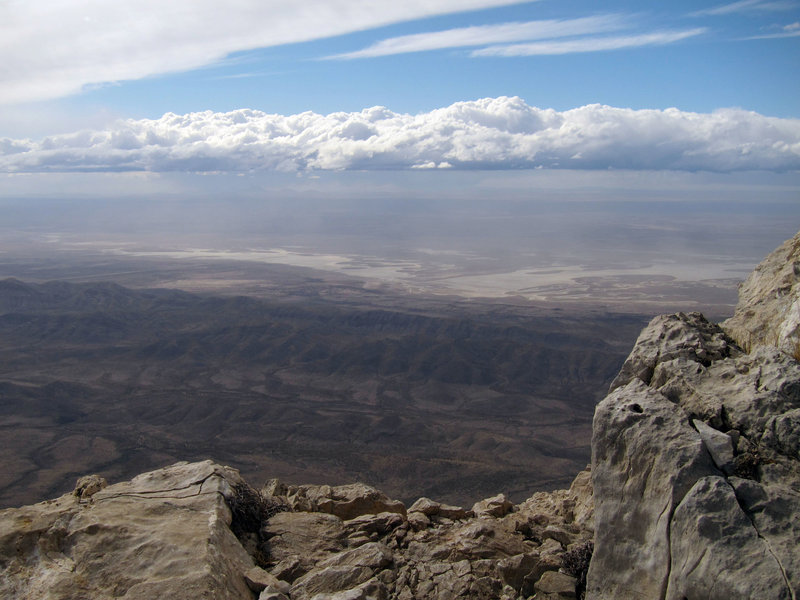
(774, 36)
(489, 34)
(791, 30)
(592, 44)
(744, 6)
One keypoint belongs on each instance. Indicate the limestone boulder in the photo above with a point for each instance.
(373, 526)
(711, 535)
(164, 534)
(373, 555)
(690, 338)
(768, 312)
(514, 569)
(297, 541)
(496, 506)
(581, 500)
(344, 501)
(88, 485)
(431, 508)
(718, 444)
(372, 589)
(344, 571)
(554, 585)
(329, 580)
(418, 520)
(645, 458)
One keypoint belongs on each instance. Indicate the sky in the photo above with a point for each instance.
(486, 99)
(202, 85)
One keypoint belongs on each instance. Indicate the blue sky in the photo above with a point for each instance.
(725, 60)
(205, 86)
(696, 56)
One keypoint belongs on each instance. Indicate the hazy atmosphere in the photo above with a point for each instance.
(484, 148)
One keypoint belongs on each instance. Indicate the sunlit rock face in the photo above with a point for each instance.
(696, 453)
(768, 313)
(164, 534)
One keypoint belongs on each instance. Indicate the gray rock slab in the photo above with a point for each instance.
(645, 458)
(688, 336)
(768, 312)
(164, 534)
(718, 444)
(717, 552)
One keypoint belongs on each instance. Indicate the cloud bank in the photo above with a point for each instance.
(492, 133)
(53, 49)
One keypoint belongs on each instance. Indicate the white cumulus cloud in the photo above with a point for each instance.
(492, 133)
(53, 48)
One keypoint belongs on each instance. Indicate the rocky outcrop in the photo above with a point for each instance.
(165, 534)
(768, 313)
(199, 531)
(431, 550)
(695, 453)
(344, 501)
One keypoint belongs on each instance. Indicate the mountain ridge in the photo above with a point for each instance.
(469, 398)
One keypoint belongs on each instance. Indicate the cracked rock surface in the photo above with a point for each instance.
(163, 534)
(696, 457)
(768, 313)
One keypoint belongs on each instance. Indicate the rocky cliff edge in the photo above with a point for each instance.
(694, 492)
(696, 453)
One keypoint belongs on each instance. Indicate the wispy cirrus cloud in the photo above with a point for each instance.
(590, 44)
(490, 34)
(791, 30)
(744, 6)
(550, 36)
(55, 49)
(492, 133)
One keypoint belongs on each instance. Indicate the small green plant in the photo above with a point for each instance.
(576, 563)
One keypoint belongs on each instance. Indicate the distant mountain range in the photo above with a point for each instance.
(447, 400)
